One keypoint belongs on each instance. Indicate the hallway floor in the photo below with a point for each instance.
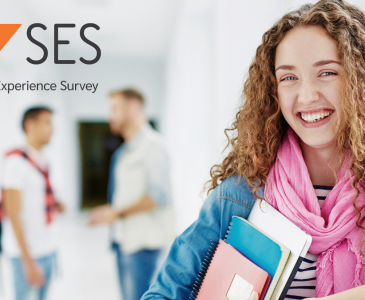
(86, 265)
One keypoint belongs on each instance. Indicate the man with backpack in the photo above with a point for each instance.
(28, 207)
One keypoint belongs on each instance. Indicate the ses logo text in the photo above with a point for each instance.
(8, 30)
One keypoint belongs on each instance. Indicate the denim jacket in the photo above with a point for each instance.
(178, 273)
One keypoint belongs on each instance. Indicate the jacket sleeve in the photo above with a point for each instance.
(177, 275)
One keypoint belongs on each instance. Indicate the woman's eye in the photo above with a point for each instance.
(288, 78)
(328, 73)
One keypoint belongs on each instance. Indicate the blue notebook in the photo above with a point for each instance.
(259, 248)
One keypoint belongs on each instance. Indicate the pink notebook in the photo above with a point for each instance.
(232, 276)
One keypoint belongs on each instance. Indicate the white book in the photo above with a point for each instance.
(281, 229)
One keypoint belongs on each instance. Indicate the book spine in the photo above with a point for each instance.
(290, 279)
(228, 231)
(275, 280)
(203, 271)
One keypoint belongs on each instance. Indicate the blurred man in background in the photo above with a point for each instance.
(29, 209)
(141, 211)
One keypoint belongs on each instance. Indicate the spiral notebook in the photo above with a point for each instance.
(259, 248)
(229, 275)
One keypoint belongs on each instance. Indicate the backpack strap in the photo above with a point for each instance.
(50, 201)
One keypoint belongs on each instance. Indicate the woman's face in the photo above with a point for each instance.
(308, 69)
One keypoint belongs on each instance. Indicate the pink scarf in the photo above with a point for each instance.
(335, 235)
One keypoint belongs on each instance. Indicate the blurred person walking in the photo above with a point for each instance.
(139, 192)
(28, 208)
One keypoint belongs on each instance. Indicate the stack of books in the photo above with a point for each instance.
(261, 254)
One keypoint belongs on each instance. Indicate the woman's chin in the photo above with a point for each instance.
(318, 141)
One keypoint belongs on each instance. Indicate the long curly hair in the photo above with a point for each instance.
(259, 127)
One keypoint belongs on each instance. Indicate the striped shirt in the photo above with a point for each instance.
(304, 282)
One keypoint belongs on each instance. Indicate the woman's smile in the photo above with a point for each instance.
(315, 118)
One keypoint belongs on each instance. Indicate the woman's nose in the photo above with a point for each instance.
(308, 92)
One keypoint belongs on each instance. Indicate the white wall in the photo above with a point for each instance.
(187, 115)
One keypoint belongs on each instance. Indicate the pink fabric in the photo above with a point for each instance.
(333, 228)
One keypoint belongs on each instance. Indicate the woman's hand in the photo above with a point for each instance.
(357, 293)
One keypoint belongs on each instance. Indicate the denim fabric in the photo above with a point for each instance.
(135, 271)
(176, 278)
(22, 289)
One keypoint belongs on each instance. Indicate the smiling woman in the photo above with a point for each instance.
(307, 83)
(299, 142)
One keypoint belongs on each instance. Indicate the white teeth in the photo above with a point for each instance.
(315, 117)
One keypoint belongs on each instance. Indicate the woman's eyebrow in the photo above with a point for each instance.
(285, 67)
(326, 62)
(317, 64)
